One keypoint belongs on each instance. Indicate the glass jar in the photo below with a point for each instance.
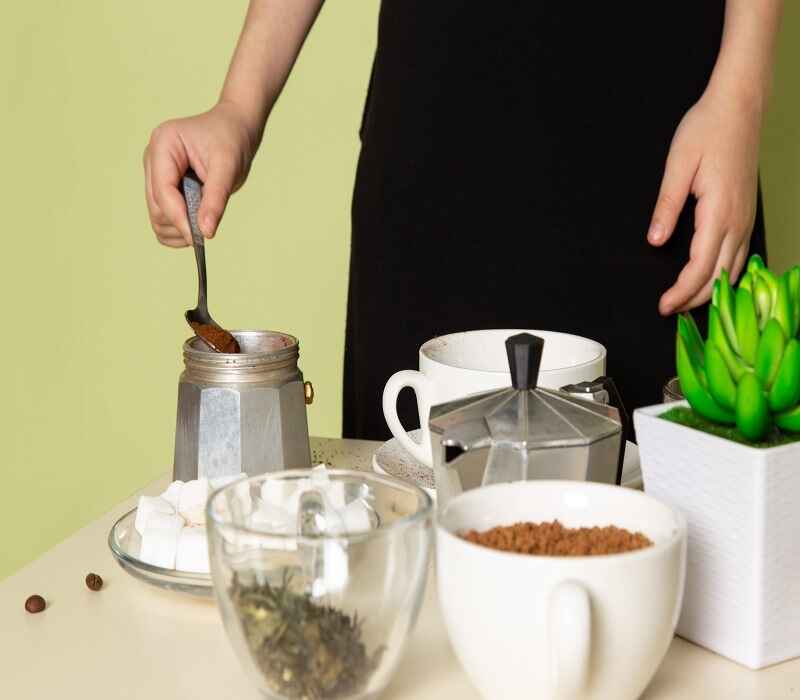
(319, 587)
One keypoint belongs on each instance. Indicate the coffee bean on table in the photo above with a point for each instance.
(94, 582)
(35, 604)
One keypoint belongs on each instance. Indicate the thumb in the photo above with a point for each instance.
(217, 189)
(678, 176)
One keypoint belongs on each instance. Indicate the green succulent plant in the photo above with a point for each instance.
(747, 372)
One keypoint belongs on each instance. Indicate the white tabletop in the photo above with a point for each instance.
(133, 641)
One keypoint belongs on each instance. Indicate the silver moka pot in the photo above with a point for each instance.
(524, 432)
(244, 412)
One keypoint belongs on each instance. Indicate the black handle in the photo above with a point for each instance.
(524, 357)
(627, 426)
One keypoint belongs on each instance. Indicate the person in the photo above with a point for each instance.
(523, 165)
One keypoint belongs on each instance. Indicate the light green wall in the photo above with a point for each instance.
(87, 411)
(92, 306)
(780, 153)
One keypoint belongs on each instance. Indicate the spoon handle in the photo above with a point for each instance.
(192, 194)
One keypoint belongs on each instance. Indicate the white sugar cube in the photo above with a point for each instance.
(160, 540)
(192, 552)
(286, 494)
(279, 492)
(173, 493)
(192, 501)
(335, 494)
(332, 490)
(271, 519)
(217, 482)
(356, 517)
(319, 476)
(147, 506)
(242, 491)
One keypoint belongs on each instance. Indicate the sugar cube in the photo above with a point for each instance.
(147, 506)
(279, 492)
(173, 493)
(192, 501)
(332, 490)
(160, 540)
(192, 554)
(356, 517)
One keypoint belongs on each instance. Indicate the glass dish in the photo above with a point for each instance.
(125, 542)
(319, 604)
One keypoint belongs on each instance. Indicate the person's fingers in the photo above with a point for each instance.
(173, 242)
(679, 173)
(217, 188)
(156, 215)
(177, 242)
(730, 258)
(168, 163)
(158, 221)
(703, 255)
(167, 231)
(170, 236)
(740, 260)
(170, 200)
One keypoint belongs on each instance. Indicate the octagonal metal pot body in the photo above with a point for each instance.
(241, 413)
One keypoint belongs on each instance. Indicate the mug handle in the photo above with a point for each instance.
(422, 389)
(570, 629)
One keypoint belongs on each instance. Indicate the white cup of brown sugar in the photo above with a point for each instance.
(578, 627)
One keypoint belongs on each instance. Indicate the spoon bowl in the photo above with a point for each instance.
(210, 332)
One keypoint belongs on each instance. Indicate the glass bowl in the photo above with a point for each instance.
(319, 587)
(125, 543)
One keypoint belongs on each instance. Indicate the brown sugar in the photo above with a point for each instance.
(553, 539)
(217, 338)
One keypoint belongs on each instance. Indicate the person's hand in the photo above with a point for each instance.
(219, 147)
(714, 155)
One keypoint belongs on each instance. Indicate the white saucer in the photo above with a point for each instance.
(392, 459)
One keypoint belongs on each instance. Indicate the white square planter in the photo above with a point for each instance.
(742, 504)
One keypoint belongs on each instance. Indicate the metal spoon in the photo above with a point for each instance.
(198, 318)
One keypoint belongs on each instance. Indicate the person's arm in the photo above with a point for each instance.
(220, 144)
(714, 155)
(273, 33)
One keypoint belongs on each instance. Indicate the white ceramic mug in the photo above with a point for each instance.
(577, 628)
(454, 366)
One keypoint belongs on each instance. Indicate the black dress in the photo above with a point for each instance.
(511, 157)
